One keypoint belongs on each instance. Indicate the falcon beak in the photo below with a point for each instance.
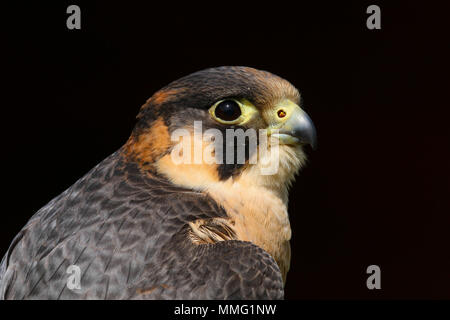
(297, 129)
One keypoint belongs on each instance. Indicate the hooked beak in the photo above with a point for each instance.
(298, 129)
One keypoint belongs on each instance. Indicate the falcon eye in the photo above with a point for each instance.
(228, 110)
(231, 111)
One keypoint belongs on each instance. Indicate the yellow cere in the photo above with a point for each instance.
(272, 115)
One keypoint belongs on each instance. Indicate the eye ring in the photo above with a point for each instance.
(228, 111)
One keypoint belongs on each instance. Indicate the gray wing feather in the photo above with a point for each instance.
(224, 270)
(128, 235)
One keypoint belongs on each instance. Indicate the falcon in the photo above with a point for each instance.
(141, 225)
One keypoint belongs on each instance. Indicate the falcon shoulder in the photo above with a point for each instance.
(129, 235)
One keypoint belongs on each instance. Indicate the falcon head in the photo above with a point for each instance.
(220, 100)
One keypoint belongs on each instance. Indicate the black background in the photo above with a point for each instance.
(376, 190)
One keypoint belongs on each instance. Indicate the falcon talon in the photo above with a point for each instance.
(142, 225)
